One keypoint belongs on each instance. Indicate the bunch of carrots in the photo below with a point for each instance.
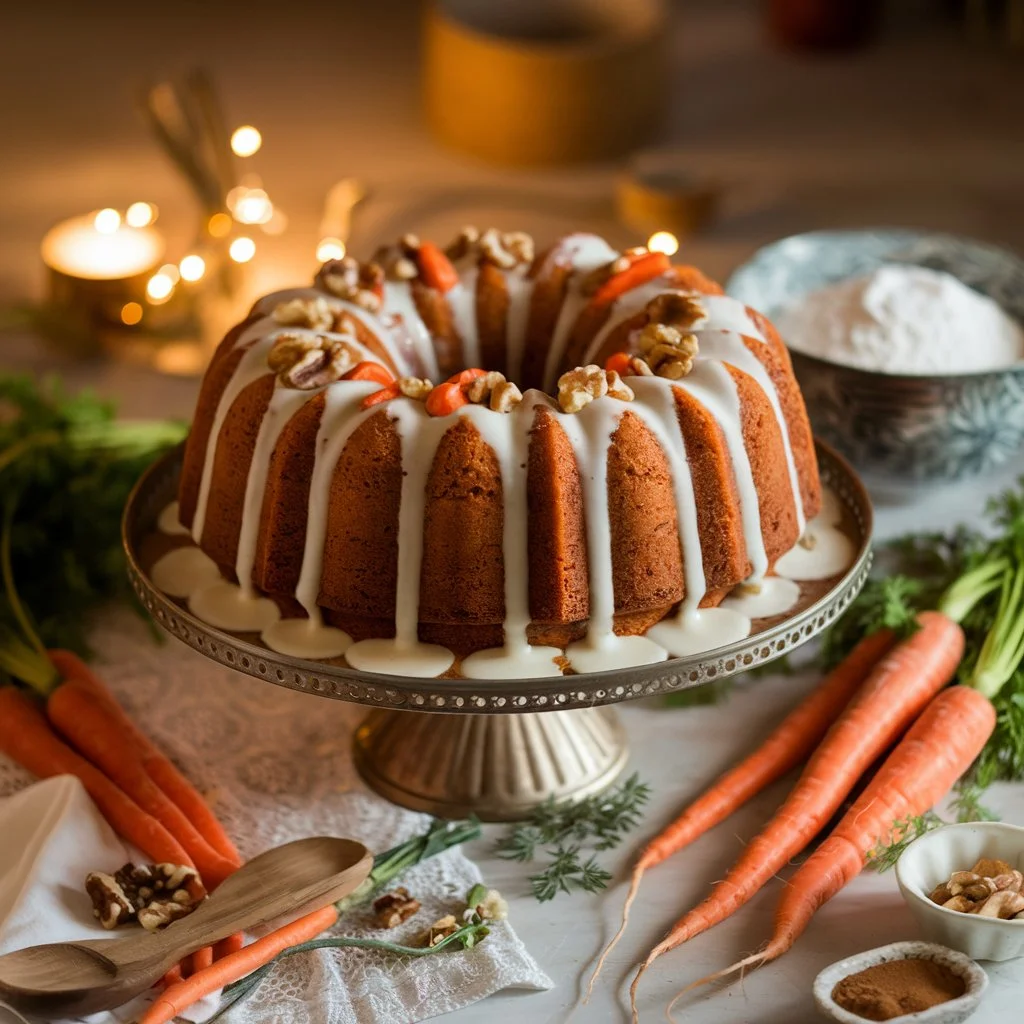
(63, 720)
(892, 688)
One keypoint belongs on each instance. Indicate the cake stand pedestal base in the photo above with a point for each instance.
(498, 767)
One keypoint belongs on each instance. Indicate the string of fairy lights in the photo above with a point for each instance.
(248, 209)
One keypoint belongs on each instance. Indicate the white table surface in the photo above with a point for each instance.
(920, 130)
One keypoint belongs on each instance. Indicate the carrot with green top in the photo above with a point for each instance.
(939, 747)
(788, 745)
(895, 692)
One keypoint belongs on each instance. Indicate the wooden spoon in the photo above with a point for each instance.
(72, 979)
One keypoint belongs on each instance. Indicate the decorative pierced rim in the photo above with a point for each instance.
(158, 486)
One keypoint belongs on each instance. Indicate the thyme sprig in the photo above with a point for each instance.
(559, 830)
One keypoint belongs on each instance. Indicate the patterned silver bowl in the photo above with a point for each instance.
(897, 427)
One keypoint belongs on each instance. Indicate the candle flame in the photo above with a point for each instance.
(663, 241)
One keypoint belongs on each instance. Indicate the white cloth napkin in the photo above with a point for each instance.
(277, 765)
(52, 837)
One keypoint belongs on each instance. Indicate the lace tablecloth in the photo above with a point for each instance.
(276, 766)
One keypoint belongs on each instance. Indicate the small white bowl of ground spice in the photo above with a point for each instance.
(905, 982)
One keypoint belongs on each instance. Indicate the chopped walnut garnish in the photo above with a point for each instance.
(992, 888)
(441, 929)
(581, 386)
(355, 282)
(638, 367)
(505, 249)
(316, 313)
(414, 387)
(152, 894)
(463, 243)
(393, 908)
(683, 311)
(306, 362)
(668, 351)
(494, 391)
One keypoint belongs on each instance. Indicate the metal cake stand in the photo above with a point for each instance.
(491, 748)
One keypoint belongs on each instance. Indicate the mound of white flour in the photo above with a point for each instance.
(903, 319)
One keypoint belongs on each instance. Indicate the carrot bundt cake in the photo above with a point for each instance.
(482, 460)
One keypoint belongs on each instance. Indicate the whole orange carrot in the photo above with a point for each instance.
(177, 998)
(936, 751)
(894, 694)
(791, 742)
(86, 724)
(26, 737)
(157, 765)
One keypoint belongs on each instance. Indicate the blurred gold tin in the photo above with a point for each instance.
(544, 81)
(659, 192)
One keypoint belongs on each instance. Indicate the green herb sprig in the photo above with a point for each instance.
(976, 575)
(560, 830)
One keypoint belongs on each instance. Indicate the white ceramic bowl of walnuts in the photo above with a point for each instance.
(936, 875)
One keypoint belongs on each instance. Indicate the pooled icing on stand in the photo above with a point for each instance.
(183, 571)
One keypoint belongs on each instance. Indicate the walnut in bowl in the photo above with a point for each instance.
(932, 861)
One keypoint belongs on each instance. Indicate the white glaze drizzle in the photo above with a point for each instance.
(169, 521)
(508, 436)
(406, 326)
(251, 367)
(711, 385)
(584, 253)
(590, 432)
(656, 407)
(520, 293)
(340, 418)
(419, 435)
(284, 403)
(462, 302)
(728, 347)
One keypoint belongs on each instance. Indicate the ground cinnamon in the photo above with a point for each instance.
(898, 987)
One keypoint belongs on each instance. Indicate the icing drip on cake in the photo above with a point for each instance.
(169, 521)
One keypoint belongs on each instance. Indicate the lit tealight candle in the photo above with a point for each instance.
(99, 247)
(99, 265)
